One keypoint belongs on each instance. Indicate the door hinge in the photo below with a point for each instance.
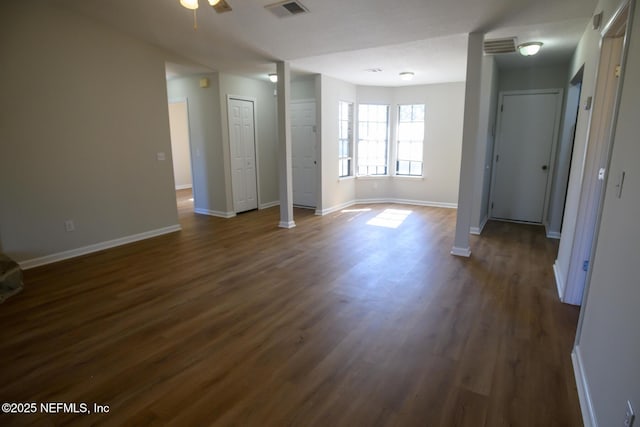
(491, 205)
(315, 129)
(618, 69)
(502, 108)
(585, 265)
(497, 157)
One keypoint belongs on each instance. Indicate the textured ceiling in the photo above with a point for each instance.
(343, 38)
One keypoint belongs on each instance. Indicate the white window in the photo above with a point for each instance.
(345, 139)
(373, 135)
(410, 140)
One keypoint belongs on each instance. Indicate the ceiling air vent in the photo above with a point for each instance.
(287, 8)
(496, 46)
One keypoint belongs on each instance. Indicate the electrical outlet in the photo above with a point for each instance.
(69, 225)
(629, 416)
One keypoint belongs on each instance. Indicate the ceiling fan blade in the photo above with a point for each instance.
(222, 6)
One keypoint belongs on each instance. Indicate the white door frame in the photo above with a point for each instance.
(554, 143)
(255, 142)
(191, 151)
(312, 101)
(588, 219)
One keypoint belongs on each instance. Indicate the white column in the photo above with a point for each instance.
(284, 147)
(469, 140)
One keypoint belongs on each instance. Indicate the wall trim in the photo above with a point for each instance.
(559, 281)
(551, 234)
(463, 252)
(407, 202)
(269, 204)
(218, 214)
(586, 406)
(183, 186)
(72, 253)
(335, 208)
(386, 200)
(287, 224)
(478, 230)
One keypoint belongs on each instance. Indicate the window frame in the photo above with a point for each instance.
(398, 142)
(387, 144)
(350, 157)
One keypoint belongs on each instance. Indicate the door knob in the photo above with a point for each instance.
(544, 167)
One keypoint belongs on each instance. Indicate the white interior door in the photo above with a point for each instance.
(243, 154)
(303, 148)
(522, 161)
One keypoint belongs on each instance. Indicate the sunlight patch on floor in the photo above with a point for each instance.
(390, 218)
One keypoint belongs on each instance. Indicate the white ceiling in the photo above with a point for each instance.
(343, 38)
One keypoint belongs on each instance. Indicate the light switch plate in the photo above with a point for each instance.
(161, 156)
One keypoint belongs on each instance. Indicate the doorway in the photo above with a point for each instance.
(303, 149)
(597, 157)
(528, 123)
(181, 154)
(242, 144)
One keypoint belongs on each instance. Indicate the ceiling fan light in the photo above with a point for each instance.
(529, 49)
(214, 2)
(273, 77)
(189, 4)
(406, 76)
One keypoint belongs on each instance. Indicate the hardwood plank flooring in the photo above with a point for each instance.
(337, 322)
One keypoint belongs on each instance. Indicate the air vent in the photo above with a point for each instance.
(496, 46)
(287, 8)
(222, 6)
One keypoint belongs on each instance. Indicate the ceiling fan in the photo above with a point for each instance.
(220, 6)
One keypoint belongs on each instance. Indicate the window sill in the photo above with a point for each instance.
(409, 177)
(346, 178)
(368, 177)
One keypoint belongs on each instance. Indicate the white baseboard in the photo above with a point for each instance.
(586, 405)
(386, 200)
(60, 256)
(183, 187)
(269, 204)
(335, 208)
(478, 230)
(218, 214)
(407, 202)
(559, 281)
(464, 252)
(550, 233)
(287, 224)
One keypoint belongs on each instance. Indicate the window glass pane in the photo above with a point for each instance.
(418, 113)
(345, 138)
(410, 139)
(373, 136)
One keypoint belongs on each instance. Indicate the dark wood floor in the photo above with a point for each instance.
(234, 322)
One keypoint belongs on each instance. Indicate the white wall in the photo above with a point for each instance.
(535, 77)
(335, 192)
(84, 114)
(485, 144)
(205, 131)
(608, 344)
(266, 132)
(303, 87)
(180, 151)
(444, 105)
